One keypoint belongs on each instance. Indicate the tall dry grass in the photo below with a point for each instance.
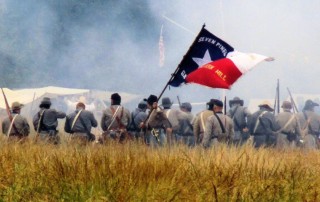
(133, 172)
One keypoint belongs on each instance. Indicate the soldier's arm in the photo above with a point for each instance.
(208, 133)
(231, 129)
(35, 121)
(3, 128)
(93, 120)
(196, 129)
(103, 121)
(26, 127)
(60, 114)
(298, 128)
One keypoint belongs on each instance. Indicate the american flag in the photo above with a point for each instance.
(161, 49)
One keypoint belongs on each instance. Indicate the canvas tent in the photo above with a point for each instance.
(32, 97)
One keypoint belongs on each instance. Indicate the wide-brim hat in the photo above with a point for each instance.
(266, 104)
(236, 100)
(16, 105)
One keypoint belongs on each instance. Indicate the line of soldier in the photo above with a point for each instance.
(164, 125)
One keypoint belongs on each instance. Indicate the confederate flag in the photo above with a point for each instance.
(205, 48)
(224, 72)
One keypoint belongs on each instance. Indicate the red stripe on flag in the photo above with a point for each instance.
(217, 74)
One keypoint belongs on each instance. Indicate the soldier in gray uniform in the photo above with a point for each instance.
(219, 127)
(310, 125)
(45, 122)
(240, 115)
(115, 120)
(199, 123)
(18, 128)
(290, 132)
(158, 127)
(185, 132)
(138, 116)
(263, 126)
(173, 115)
(79, 124)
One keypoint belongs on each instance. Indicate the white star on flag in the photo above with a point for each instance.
(205, 60)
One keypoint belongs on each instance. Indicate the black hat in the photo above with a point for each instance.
(45, 101)
(236, 100)
(116, 97)
(218, 103)
(215, 102)
(151, 99)
(309, 105)
(166, 102)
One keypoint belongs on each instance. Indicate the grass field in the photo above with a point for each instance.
(133, 172)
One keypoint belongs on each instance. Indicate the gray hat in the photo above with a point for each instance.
(142, 105)
(166, 102)
(286, 105)
(236, 100)
(187, 106)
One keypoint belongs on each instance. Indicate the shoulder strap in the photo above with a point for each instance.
(168, 113)
(11, 125)
(118, 119)
(220, 123)
(287, 124)
(234, 119)
(40, 120)
(258, 121)
(202, 122)
(75, 119)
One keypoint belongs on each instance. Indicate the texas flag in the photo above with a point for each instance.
(224, 72)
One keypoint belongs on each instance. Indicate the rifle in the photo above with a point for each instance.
(179, 101)
(292, 101)
(8, 111)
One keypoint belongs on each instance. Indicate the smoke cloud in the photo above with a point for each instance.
(113, 45)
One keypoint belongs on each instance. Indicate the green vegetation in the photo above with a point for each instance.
(134, 172)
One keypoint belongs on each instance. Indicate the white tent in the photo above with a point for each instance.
(26, 96)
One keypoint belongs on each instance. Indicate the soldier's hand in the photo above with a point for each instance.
(142, 125)
(245, 130)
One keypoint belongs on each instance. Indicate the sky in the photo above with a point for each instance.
(113, 45)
